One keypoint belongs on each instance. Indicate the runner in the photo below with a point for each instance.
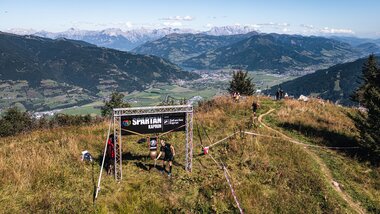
(169, 155)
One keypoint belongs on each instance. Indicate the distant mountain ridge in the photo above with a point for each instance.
(127, 40)
(336, 83)
(277, 52)
(179, 47)
(369, 48)
(80, 65)
(355, 41)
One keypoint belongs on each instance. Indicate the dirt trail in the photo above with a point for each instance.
(326, 172)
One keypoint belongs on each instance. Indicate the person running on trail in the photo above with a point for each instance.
(152, 150)
(255, 106)
(169, 155)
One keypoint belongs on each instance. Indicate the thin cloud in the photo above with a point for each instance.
(255, 26)
(100, 25)
(178, 18)
(309, 27)
(172, 24)
(327, 30)
(217, 17)
(274, 24)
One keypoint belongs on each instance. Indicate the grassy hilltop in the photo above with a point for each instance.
(42, 172)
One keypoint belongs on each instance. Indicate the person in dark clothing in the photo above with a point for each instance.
(169, 155)
(255, 106)
(278, 95)
(282, 94)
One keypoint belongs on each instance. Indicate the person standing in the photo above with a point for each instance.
(110, 155)
(169, 155)
(278, 94)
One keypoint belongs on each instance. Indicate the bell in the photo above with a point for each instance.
(153, 154)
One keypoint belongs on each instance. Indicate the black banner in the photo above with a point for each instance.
(153, 123)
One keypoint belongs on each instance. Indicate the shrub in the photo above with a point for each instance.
(14, 121)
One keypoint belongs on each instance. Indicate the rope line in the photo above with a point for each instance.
(204, 130)
(215, 160)
(304, 144)
(104, 157)
(171, 130)
(291, 140)
(232, 189)
(133, 132)
(222, 139)
(226, 174)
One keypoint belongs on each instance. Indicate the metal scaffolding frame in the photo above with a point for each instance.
(118, 148)
(119, 112)
(116, 123)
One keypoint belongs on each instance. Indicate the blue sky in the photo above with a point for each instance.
(348, 17)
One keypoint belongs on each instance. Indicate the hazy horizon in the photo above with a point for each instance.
(348, 18)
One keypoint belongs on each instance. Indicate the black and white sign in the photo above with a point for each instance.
(153, 123)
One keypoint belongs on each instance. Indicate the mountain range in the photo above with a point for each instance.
(336, 83)
(278, 53)
(180, 47)
(227, 46)
(127, 40)
(355, 41)
(33, 67)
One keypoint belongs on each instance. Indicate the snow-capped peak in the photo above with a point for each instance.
(127, 40)
(113, 32)
(21, 31)
(230, 30)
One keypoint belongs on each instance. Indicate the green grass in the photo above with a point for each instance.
(265, 81)
(156, 95)
(92, 108)
(42, 171)
(355, 175)
(360, 180)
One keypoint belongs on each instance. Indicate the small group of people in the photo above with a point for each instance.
(167, 151)
(280, 94)
(236, 96)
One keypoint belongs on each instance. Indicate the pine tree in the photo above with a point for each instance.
(116, 101)
(369, 71)
(368, 95)
(241, 83)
